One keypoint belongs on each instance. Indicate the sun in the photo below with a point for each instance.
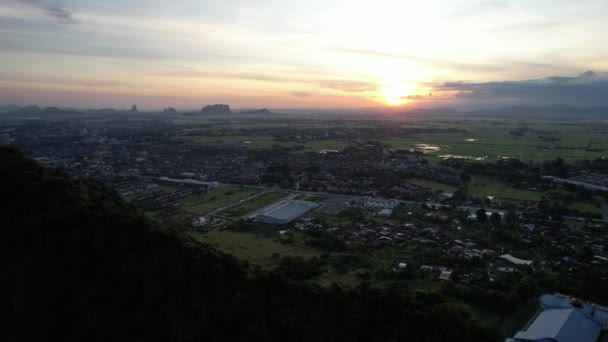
(396, 94)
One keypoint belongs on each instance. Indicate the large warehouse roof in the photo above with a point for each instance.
(561, 325)
(284, 211)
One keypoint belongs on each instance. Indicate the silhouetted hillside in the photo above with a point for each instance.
(216, 109)
(9, 108)
(80, 264)
(59, 111)
(257, 111)
(27, 110)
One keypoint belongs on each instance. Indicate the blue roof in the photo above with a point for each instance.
(597, 312)
(285, 210)
(550, 300)
(562, 325)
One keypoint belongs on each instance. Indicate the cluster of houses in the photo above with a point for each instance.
(565, 247)
(466, 249)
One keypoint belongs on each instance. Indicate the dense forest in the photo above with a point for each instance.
(80, 264)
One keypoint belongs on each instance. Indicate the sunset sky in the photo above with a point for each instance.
(303, 54)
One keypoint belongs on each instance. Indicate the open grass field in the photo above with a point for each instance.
(430, 184)
(482, 315)
(486, 138)
(131, 197)
(585, 207)
(493, 139)
(315, 198)
(348, 280)
(254, 204)
(255, 248)
(215, 199)
(485, 186)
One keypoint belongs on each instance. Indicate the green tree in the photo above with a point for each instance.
(482, 216)
(511, 218)
(495, 218)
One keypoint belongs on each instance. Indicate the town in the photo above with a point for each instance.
(351, 204)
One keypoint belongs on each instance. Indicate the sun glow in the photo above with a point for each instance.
(396, 94)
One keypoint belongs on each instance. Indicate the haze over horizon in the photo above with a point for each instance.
(303, 54)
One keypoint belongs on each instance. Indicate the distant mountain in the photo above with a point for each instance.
(35, 110)
(216, 109)
(59, 111)
(9, 108)
(106, 111)
(28, 110)
(170, 110)
(257, 111)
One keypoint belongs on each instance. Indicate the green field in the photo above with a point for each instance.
(254, 204)
(214, 199)
(577, 141)
(487, 139)
(131, 197)
(480, 186)
(585, 207)
(254, 248)
(481, 314)
(430, 184)
(314, 198)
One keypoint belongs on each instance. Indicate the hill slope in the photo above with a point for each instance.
(81, 264)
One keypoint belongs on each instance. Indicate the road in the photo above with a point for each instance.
(264, 189)
(471, 209)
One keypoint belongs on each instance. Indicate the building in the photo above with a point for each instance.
(372, 203)
(284, 211)
(385, 213)
(445, 275)
(564, 319)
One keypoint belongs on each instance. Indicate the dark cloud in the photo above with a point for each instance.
(52, 9)
(588, 73)
(587, 89)
(60, 13)
(301, 94)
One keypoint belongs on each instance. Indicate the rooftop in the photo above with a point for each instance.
(565, 319)
(286, 210)
(562, 325)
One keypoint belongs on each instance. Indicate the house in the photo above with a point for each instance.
(445, 275)
(426, 268)
(401, 267)
(385, 212)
